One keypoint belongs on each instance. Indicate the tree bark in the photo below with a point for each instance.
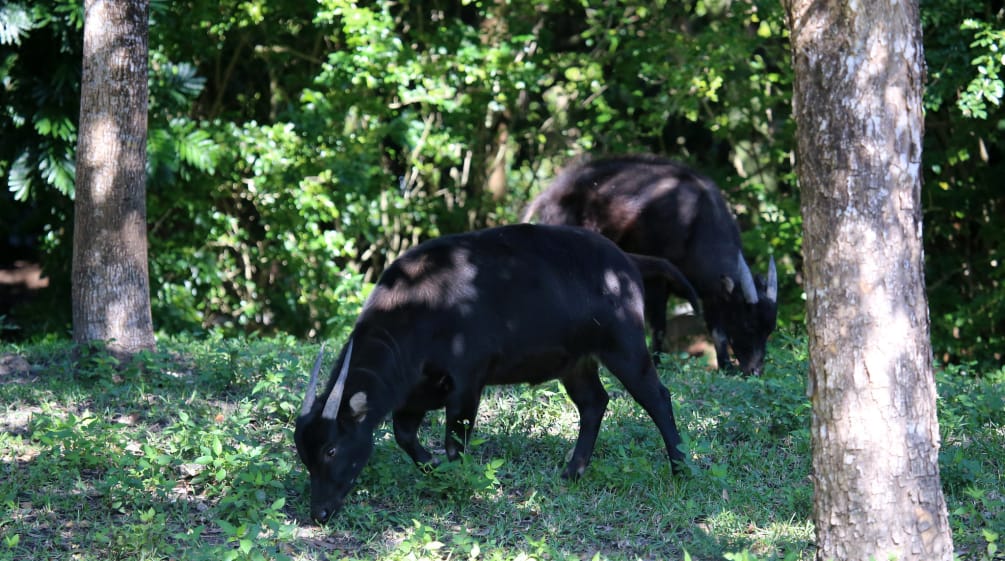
(495, 30)
(857, 102)
(111, 285)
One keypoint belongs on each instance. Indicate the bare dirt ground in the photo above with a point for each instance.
(14, 369)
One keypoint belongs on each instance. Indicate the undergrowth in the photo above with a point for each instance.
(187, 453)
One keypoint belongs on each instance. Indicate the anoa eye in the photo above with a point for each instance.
(331, 452)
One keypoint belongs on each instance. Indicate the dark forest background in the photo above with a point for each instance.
(296, 148)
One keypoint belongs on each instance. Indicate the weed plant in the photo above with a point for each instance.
(187, 453)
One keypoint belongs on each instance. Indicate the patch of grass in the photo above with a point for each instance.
(972, 458)
(187, 453)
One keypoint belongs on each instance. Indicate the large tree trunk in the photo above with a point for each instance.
(111, 285)
(858, 83)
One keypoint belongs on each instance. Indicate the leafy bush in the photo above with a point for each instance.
(963, 147)
(294, 152)
(296, 148)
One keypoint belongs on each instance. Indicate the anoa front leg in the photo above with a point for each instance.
(721, 342)
(406, 434)
(588, 394)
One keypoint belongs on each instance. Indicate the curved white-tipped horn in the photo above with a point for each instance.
(746, 279)
(312, 386)
(330, 411)
(771, 292)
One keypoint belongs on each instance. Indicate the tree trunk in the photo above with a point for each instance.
(494, 31)
(111, 285)
(857, 103)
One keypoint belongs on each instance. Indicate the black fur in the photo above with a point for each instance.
(515, 304)
(654, 206)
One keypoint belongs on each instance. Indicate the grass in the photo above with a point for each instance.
(187, 454)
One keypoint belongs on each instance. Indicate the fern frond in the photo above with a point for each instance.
(15, 23)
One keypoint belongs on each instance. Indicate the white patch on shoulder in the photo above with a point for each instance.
(357, 406)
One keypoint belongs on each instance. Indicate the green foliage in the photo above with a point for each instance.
(15, 22)
(463, 480)
(296, 148)
(294, 152)
(963, 162)
(986, 86)
(40, 114)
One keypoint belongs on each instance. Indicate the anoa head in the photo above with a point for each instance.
(333, 440)
(748, 315)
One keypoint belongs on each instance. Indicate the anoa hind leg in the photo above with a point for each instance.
(636, 372)
(588, 394)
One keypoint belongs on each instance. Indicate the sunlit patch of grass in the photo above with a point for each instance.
(188, 454)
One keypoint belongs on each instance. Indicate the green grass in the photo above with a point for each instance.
(188, 454)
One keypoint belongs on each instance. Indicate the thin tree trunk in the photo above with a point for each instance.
(858, 73)
(495, 30)
(111, 285)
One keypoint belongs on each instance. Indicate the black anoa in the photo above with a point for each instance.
(654, 206)
(515, 304)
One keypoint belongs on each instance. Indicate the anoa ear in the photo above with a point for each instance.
(357, 406)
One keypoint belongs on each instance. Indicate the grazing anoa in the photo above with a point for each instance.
(515, 304)
(654, 206)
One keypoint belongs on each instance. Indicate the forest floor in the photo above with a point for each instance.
(187, 453)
